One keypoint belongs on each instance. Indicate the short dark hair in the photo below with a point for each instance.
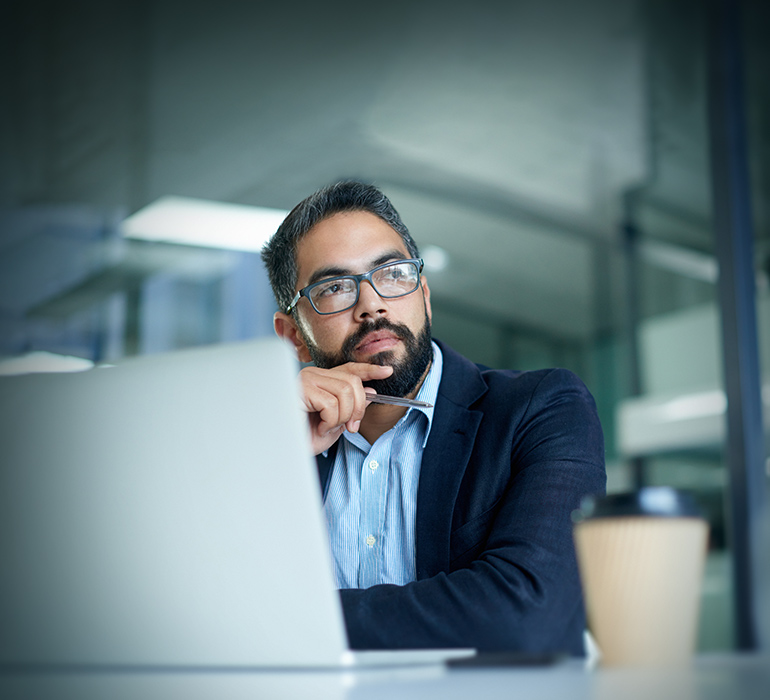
(280, 253)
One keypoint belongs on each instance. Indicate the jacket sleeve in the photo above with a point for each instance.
(513, 582)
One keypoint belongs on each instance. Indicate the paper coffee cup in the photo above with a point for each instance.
(641, 557)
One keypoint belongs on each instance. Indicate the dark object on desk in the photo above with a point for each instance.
(506, 658)
(655, 501)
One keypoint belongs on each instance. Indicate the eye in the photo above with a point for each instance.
(332, 288)
(396, 273)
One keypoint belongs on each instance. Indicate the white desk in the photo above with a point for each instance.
(717, 677)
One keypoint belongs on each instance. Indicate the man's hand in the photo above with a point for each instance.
(335, 399)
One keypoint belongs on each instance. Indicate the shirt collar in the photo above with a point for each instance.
(429, 390)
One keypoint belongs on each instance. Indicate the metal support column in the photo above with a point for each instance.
(734, 246)
(630, 246)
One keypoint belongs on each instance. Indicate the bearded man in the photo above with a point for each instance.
(449, 518)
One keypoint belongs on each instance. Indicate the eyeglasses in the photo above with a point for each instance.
(391, 280)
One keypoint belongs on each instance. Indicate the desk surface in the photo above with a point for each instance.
(715, 677)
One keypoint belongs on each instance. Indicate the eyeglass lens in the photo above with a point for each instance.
(340, 293)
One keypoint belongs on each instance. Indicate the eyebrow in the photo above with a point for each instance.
(332, 271)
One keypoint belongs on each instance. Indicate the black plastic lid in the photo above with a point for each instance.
(658, 501)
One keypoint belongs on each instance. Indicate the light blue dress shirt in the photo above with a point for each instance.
(372, 498)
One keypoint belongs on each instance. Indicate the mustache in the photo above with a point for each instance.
(398, 329)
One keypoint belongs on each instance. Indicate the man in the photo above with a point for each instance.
(450, 525)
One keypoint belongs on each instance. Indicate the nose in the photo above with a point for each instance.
(369, 304)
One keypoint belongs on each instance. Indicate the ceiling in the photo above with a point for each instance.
(508, 133)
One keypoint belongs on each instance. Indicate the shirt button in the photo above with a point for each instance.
(373, 465)
(371, 540)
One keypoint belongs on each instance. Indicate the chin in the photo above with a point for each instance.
(386, 357)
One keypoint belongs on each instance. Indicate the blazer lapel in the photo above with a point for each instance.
(446, 456)
(325, 465)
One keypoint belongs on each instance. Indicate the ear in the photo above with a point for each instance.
(286, 327)
(426, 297)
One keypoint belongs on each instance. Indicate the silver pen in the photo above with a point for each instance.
(397, 400)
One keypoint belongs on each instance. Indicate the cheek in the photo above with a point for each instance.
(327, 334)
(416, 317)
(307, 330)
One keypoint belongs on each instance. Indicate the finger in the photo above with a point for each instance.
(339, 405)
(319, 385)
(359, 408)
(326, 419)
(319, 389)
(364, 370)
(355, 372)
(320, 444)
(348, 394)
(322, 407)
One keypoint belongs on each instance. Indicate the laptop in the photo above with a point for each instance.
(165, 512)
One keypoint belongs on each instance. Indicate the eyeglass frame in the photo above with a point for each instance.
(304, 292)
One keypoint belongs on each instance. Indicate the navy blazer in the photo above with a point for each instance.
(509, 457)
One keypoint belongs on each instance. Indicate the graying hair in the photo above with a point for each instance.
(280, 253)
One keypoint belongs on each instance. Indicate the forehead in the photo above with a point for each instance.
(350, 242)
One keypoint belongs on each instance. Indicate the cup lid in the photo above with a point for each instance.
(659, 501)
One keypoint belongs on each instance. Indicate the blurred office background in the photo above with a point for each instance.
(551, 157)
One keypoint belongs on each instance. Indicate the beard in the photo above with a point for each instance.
(407, 372)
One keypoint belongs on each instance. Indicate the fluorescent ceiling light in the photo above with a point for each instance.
(435, 258)
(682, 261)
(201, 222)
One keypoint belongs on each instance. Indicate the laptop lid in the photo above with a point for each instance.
(164, 511)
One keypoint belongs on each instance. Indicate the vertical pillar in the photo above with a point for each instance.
(630, 242)
(734, 246)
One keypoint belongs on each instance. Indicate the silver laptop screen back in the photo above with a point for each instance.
(165, 511)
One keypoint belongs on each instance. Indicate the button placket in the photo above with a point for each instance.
(373, 500)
